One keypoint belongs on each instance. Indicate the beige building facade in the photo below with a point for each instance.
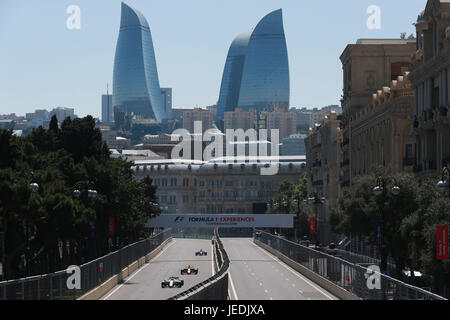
(197, 114)
(368, 65)
(430, 78)
(382, 133)
(323, 162)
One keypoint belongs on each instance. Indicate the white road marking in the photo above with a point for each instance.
(212, 259)
(287, 279)
(260, 283)
(139, 270)
(232, 286)
(266, 291)
(294, 272)
(301, 292)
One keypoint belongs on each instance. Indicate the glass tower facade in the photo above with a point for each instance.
(135, 80)
(256, 74)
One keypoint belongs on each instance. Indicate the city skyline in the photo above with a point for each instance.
(56, 72)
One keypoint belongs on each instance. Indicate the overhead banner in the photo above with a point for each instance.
(222, 220)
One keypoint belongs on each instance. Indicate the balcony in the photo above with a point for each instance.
(432, 165)
(318, 183)
(317, 146)
(317, 163)
(345, 163)
(345, 142)
(346, 183)
(418, 168)
(408, 162)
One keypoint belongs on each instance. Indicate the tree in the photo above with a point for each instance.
(289, 199)
(60, 161)
(54, 125)
(360, 210)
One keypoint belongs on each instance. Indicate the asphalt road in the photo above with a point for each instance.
(145, 283)
(255, 274)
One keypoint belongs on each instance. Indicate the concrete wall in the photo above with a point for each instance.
(109, 284)
(334, 289)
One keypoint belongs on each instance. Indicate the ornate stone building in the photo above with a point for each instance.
(209, 187)
(367, 66)
(322, 153)
(381, 132)
(430, 79)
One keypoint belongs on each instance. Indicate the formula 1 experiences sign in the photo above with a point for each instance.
(222, 220)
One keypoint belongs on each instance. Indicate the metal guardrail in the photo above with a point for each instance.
(215, 287)
(53, 286)
(352, 277)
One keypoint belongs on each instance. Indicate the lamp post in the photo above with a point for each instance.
(34, 189)
(444, 184)
(316, 200)
(91, 193)
(380, 190)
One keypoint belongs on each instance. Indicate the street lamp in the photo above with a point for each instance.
(34, 189)
(316, 200)
(444, 184)
(380, 190)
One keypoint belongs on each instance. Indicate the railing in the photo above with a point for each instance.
(345, 142)
(345, 163)
(53, 286)
(352, 277)
(215, 287)
(317, 163)
(318, 183)
(408, 161)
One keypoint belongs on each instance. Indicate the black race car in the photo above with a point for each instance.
(189, 270)
(201, 253)
(172, 282)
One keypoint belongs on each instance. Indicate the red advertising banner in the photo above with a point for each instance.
(442, 242)
(111, 227)
(312, 225)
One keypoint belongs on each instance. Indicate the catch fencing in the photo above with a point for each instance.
(354, 278)
(53, 286)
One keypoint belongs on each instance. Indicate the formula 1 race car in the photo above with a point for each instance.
(189, 270)
(201, 253)
(172, 282)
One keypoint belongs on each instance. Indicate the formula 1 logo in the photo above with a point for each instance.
(178, 219)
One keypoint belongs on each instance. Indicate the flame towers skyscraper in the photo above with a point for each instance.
(256, 73)
(135, 80)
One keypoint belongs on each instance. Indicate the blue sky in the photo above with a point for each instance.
(43, 64)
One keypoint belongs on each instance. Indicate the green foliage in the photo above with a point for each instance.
(290, 199)
(60, 161)
(410, 219)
